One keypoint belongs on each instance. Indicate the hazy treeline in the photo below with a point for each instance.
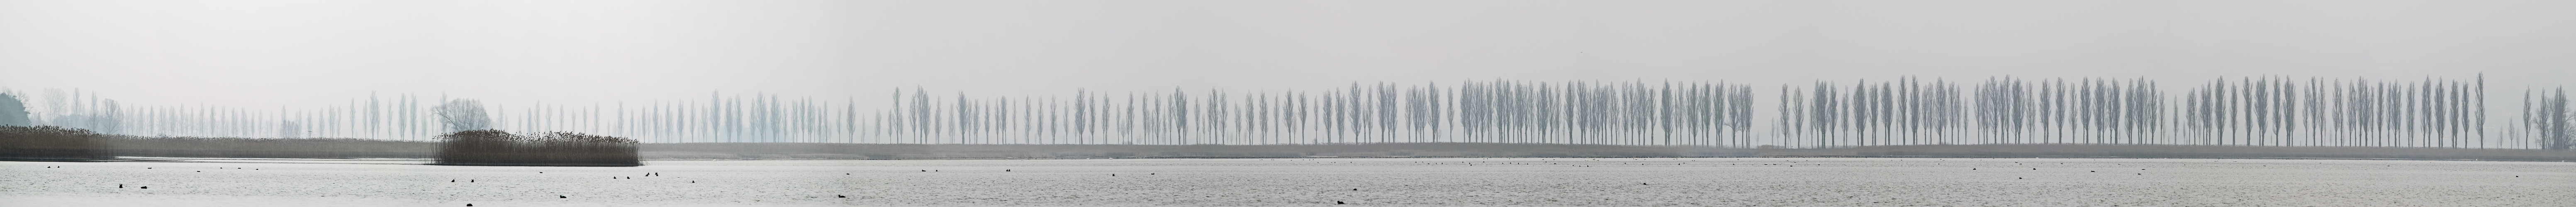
(403, 117)
(1617, 113)
(2254, 111)
(2265, 111)
(61, 108)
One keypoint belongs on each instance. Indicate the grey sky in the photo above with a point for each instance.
(266, 53)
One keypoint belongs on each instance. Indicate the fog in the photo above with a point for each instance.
(1285, 103)
(262, 54)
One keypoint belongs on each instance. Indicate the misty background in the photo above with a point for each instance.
(315, 55)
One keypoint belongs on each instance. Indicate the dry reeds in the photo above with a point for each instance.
(51, 143)
(499, 148)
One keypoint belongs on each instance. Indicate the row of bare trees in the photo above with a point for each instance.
(2249, 111)
(1581, 112)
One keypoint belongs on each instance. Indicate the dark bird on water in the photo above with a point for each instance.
(145, 187)
(1006, 170)
(120, 185)
(451, 181)
(1355, 189)
(562, 197)
(1641, 184)
(1337, 202)
(469, 204)
(469, 180)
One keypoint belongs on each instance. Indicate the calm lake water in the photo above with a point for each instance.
(1303, 182)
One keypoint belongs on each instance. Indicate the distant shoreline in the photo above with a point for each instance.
(347, 148)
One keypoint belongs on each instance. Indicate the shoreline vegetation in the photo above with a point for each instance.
(51, 143)
(1392, 150)
(500, 148)
(133, 146)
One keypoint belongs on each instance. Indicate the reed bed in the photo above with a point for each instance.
(500, 148)
(51, 143)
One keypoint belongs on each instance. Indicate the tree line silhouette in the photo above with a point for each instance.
(2236, 111)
